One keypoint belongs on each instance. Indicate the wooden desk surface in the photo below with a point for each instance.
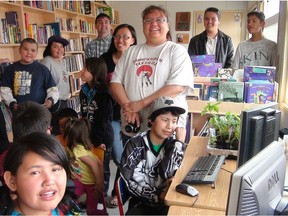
(187, 211)
(209, 198)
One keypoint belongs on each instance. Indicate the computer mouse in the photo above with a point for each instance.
(187, 189)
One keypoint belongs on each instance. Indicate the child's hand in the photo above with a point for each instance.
(180, 134)
(47, 103)
(103, 146)
(98, 190)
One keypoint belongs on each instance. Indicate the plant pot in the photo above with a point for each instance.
(231, 154)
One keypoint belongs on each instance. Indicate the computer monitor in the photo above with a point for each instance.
(256, 188)
(259, 127)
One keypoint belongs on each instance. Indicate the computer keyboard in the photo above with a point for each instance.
(205, 170)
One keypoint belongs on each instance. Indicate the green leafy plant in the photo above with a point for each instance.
(227, 127)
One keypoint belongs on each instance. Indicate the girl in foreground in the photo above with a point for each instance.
(35, 174)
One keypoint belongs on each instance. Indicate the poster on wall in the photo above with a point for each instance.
(183, 38)
(183, 21)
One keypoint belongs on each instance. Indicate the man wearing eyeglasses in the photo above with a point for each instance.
(101, 44)
(150, 70)
(212, 41)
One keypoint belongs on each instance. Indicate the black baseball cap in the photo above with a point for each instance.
(58, 39)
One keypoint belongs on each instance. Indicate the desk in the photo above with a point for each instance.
(209, 198)
(187, 211)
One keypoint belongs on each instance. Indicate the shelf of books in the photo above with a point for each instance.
(236, 89)
(73, 20)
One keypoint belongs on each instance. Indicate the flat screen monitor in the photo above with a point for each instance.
(256, 188)
(259, 127)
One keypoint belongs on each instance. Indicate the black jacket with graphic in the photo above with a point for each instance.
(99, 111)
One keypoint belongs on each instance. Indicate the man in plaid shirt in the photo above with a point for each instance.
(101, 44)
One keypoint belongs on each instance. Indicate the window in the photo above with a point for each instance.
(271, 11)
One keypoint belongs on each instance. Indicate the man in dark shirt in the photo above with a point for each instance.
(212, 41)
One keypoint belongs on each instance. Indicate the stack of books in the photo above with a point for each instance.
(259, 84)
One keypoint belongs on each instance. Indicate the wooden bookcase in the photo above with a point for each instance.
(70, 20)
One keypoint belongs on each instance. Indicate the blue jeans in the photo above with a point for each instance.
(117, 147)
(116, 153)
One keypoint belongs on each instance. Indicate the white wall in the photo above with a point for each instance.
(130, 12)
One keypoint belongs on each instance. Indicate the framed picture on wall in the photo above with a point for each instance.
(183, 21)
(182, 38)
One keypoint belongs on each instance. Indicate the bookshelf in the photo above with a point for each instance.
(73, 20)
(195, 108)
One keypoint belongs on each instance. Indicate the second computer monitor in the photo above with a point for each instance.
(259, 127)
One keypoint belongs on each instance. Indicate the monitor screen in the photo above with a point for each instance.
(259, 127)
(256, 188)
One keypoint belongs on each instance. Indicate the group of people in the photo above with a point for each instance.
(256, 51)
(133, 106)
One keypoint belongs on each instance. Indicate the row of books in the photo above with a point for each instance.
(259, 93)
(74, 103)
(258, 86)
(84, 7)
(74, 62)
(87, 27)
(47, 4)
(85, 41)
(75, 84)
(74, 45)
(66, 5)
(113, 14)
(9, 28)
(67, 24)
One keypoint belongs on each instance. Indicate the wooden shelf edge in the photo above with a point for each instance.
(196, 106)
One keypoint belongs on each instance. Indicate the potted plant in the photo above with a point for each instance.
(224, 130)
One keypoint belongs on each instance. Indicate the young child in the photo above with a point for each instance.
(53, 59)
(97, 106)
(35, 174)
(151, 158)
(87, 169)
(28, 80)
(27, 118)
(62, 117)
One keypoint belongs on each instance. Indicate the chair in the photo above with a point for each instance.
(122, 194)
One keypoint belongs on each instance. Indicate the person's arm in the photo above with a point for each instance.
(51, 88)
(230, 53)
(97, 168)
(192, 47)
(4, 60)
(119, 93)
(167, 90)
(237, 57)
(7, 86)
(131, 171)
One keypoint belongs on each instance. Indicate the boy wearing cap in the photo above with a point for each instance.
(152, 157)
(53, 60)
(28, 80)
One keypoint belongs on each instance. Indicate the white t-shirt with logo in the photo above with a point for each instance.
(143, 70)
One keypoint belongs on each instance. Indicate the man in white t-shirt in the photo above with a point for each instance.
(151, 70)
(258, 50)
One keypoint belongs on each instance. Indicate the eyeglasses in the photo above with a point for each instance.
(124, 37)
(157, 20)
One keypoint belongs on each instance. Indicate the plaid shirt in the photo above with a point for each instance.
(97, 47)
